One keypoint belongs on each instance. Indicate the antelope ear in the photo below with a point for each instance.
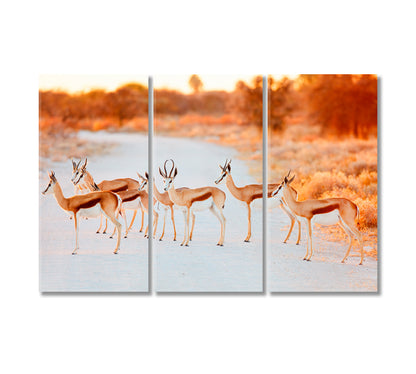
(146, 175)
(291, 179)
(221, 167)
(140, 177)
(175, 172)
(285, 180)
(85, 163)
(229, 167)
(49, 174)
(74, 165)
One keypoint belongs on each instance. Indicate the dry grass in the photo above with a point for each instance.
(64, 145)
(224, 130)
(55, 125)
(59, 142)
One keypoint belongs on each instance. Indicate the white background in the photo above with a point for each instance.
(206, 334)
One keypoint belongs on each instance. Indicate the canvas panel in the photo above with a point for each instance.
(102, 119)
(324, 129)
(200, 123)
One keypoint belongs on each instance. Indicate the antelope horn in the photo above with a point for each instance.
(171, 170)
(85, 163)
(164, 167)
(161, 173)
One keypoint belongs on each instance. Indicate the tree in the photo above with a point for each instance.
(343, 104)
(281, 102)
(195, 83)
(248, 101)
(52, 103)
(127, 102)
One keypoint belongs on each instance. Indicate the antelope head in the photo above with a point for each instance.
(225, 170)
(80, 173)
(143, 180)
(278, 192)
(75, 165)
(52, 182)
(75, 168)
(168, 178)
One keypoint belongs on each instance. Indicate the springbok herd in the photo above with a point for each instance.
(111, 198)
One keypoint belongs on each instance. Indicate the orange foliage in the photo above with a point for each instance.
(340, 104)
(77, 111)
(328, 105)
(196, 119)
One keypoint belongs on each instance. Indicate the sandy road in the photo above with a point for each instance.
(287, 272)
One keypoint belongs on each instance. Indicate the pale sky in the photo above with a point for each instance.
(76, 83)
(211, 82)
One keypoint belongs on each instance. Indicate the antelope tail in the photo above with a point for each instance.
(118, 205)
(357, 217)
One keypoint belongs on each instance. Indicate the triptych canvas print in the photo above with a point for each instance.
(254, 184)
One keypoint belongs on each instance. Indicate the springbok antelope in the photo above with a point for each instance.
(81, 176)
(325, 212)
(88, 205)
(166, 203)
(246, 193)
(130, 200)
(195, 199)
